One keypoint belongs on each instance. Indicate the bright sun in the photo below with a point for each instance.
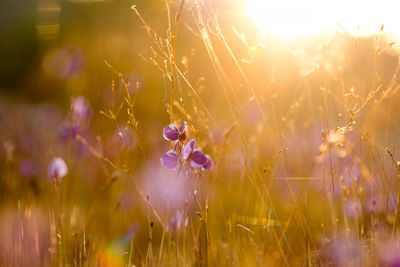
(294, 18)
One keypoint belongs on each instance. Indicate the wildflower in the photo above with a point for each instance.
(57, 169)
(209, 165)
(80, 109)
(169, 160)
(187, 149)
(173, 133)
(68, 131)
(200, 160)
(197, 158)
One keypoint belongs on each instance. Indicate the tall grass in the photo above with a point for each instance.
(303, 135)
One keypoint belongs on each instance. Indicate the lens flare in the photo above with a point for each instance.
(293, 18)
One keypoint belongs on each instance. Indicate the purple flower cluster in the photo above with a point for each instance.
(78, 121)
(183, 152)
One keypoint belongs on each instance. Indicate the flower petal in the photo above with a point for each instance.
(169, 160)
(80, 108)
(182, 132)
(187, 149)
(182, 127)
(209, 165)
(57, 169)
(198, 159)
(171, 132)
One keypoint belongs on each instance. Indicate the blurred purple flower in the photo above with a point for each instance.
(57, 169)
(173, 133)
(64, 63)
(169, 160)
(68, 132)
(342, 251)
(27, 168)
(122, 139)
(176, 222)
(80, 109)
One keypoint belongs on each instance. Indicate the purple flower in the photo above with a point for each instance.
(173, 133)
(80, 108)
(187, 152)
(198, 159)
(169, 160)
(188, 149)
(57, 169)
(68, 132)
(196, 156)
(209, 165)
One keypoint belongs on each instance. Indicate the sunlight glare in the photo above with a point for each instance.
(296, 18)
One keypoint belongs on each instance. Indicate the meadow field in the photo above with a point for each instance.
(199, 133)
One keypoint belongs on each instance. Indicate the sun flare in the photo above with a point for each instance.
(293, 18)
